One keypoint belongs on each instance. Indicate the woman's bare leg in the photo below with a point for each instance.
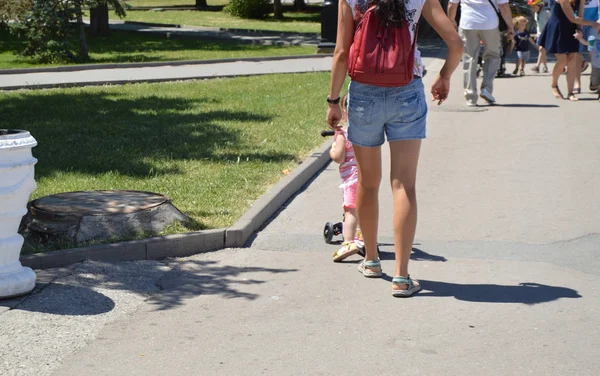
(543, 57)
(367, 196)
(561, 62)
(403, 175)
(571, 74)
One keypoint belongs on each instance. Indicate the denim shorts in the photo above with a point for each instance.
(523, 55)
(375, 112)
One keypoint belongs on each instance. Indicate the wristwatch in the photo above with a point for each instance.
(333, 101)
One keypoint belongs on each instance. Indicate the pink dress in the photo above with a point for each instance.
(348, 172)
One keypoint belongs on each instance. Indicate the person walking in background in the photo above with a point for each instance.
(557, 38)
(521, 41)
(542, 14)
(479, 21)
(589, 9)
(397, 111)
(594, 48)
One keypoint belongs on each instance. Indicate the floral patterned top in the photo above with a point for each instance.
(413, 13)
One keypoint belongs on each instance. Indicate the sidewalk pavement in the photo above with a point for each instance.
(506, 250)
(163, 72)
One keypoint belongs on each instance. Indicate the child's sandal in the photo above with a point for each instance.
(348, 249)
(413, 287)
(366, 268)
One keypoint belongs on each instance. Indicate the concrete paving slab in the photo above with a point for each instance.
(68, 313)
(249, 312)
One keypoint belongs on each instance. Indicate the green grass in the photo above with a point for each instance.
(212, 146)
(122, 47)
(300, 22)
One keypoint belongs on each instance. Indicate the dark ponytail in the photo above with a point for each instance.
(391, 12)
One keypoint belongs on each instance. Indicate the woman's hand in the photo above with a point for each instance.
(434, 14)
(334, 115)
(440, 89)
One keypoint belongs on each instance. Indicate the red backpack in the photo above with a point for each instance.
(379, 55)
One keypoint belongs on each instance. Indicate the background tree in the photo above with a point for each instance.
(48, 26)
(99, 14)
(277, 9)
(299, 4)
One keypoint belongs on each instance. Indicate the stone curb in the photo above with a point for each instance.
(75, 68)
(269, 203)
(182, 245)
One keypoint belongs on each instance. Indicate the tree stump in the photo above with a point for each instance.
(99, 20)
(100, 215)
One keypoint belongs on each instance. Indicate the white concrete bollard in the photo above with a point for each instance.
(16, 184)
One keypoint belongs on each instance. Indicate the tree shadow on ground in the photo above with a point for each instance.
(92, 287)
(132, 47)
(524, 105)
(65, 300)
(415, 255)
(95, 132)
(525, 293)
(195, 278)
(128, 43)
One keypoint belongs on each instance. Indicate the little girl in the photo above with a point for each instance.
(521, 40)
(541, 13)
(342, 153)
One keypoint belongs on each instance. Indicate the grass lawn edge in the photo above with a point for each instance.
(195, 242)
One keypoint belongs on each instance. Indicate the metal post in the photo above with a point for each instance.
(329, 16)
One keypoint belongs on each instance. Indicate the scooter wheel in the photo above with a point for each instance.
(328, 232)
(338, 228)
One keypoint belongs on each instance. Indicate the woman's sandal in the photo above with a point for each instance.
(573, 98)
(576, 90)
(366, 268)
(413, 287)
(557, 92)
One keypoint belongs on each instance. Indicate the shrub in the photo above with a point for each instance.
(48, 31)
(249, 8)
(53, 29)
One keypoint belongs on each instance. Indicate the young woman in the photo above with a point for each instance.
(398, 113)
(557, 38)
